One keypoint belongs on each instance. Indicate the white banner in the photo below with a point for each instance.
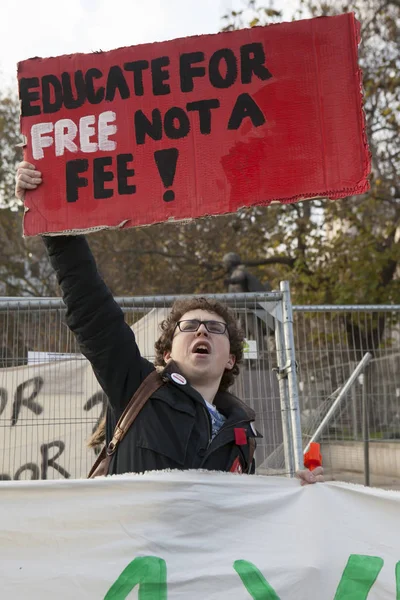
(197, 536)
(48, 410)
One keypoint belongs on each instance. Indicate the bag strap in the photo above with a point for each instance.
(148, 386)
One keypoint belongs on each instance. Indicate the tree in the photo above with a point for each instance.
(348, 251)
(24, 269)
(332, 252)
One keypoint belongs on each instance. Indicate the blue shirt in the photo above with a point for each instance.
(217, 420)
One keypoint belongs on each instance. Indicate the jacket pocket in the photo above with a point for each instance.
(166, 431)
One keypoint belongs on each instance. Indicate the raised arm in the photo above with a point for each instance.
(92, 313)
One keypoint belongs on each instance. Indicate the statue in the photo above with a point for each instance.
(240, 280)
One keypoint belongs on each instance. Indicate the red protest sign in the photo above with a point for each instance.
(195, 126)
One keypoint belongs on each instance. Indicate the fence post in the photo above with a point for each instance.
(291, 370)
(365, 425)
(284, 397)
(354, 404)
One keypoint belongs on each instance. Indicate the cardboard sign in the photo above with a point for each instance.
(195, 126)
(196, 535)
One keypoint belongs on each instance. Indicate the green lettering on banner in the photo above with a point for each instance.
(149, 572)
(358, 577)
(254, 581)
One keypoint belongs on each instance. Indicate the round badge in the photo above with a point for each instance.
(178, 378)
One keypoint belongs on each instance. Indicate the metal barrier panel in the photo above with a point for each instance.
(361, 442)
(50, 401)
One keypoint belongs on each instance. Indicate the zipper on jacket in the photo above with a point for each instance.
(208, 417)
(224, 428)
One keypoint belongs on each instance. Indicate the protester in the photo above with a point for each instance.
(192, 421)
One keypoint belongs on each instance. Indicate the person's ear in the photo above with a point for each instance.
(231, 362)
(167, 356)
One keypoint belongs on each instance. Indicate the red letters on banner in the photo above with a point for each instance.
(193, 127)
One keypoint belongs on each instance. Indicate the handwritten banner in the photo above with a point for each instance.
(48, 414)
(49, 410)
(198, 535)
(195, 126)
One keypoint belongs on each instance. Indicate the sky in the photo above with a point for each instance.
(54, 27)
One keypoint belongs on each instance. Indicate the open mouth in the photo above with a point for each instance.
(201, 350)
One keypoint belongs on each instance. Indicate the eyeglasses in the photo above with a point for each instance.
(191, 325)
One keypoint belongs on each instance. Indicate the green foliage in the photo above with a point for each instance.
(10, 153)
(339, 252)
(24, 270)
(348, 251)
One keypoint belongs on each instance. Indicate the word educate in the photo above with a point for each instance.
(150, 574)
(51, 93)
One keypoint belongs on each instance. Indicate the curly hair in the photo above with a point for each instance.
(179, 308)
(164, 344)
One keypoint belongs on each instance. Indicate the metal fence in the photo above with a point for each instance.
(361, 441)
(50, 401)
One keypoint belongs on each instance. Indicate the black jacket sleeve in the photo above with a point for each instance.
(96, 320)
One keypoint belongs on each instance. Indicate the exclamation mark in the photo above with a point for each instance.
(166, 164)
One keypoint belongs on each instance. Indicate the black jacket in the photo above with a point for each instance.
(173, 430)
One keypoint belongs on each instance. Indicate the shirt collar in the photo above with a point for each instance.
(225, 402)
